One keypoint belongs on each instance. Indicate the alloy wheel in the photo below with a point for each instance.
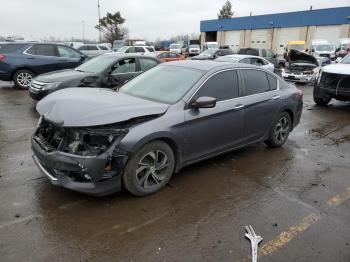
(282, 129)
(24, 79)
(152, 169)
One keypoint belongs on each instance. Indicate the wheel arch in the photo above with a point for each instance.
(166, 138)
(22, 68)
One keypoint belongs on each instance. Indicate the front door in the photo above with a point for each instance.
(212, 130)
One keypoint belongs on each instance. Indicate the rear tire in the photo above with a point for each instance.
(280, 130)
(149, 169)
(22, 78)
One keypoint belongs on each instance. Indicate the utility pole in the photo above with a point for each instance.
(99, 18)
(83, 31)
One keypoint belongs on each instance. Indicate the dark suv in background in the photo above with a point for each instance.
(20, 62)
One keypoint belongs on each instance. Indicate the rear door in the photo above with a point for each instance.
(44, 58)
(261, 102)
(212, 130)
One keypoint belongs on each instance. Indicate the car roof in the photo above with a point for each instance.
(124, 55)
(207, 65)
(243, 56)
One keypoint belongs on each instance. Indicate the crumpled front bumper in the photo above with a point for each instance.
(60, 168)
(299, 78)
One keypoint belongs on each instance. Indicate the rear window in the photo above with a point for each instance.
(272, 82)
(249, 51)
(10, 48)
(255, 81)
(102, 47)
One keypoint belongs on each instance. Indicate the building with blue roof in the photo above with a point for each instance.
(274, 31)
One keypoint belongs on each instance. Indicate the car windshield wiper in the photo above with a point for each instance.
(79, 70)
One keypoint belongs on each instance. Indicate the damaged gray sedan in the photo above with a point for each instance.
(99, 141)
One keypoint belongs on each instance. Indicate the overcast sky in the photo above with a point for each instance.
(147, 19)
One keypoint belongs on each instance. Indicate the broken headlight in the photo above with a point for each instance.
(92, 141)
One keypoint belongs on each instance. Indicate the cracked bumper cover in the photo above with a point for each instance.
(57, 166)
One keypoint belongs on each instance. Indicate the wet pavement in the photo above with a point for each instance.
(296, 197)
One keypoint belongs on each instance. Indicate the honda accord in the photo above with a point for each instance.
(99, 141)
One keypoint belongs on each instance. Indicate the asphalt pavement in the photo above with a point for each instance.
(296, 197)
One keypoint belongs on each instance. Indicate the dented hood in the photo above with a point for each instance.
(298, 57)
(77, 107)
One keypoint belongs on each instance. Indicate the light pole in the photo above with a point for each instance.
(99, 18)
(83, 31)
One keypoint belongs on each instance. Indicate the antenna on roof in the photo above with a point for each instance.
(250, 14)
(310, 7)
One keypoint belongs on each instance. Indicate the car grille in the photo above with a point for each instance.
(334, 81)
(36, 86)
(325, 55)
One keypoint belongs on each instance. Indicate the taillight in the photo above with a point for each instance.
(2, 57)
(300, 94)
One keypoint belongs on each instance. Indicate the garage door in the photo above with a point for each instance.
(232, 39)
(330, 33)
(285, 35)
(260, 38)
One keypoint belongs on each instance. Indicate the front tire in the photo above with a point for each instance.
(22, 78)
(319, 98)
(150, 169)
(280, 131)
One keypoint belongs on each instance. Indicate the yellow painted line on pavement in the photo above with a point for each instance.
(339, 199)
(286, 236)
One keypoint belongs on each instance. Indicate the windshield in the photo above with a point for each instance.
(165, 84)
(122, 49)
(97, 65)
(208, 52)
(346, 60)
(228, 59)
(194, 46)
(325, 47)
(175, 46)
(213, 45)
(299, 47)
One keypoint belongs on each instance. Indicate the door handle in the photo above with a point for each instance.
(238, 107)
(276, 97)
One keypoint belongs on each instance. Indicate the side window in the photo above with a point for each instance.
(255, 81)
(245, 60)
(272, 82)
(82, 48)
(163, 55)
(67, 52)
(125, 66)
(263, 52)
(130, 50)
(103, 47)
(219, 53)
(222, 86)
(139, 50)
(46, 50)
(257, 61)
(172, 55)
(92, 48)
(146, 64)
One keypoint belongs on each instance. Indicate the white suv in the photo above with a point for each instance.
(146, 50)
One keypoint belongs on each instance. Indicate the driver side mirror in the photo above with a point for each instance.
(203, 102)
